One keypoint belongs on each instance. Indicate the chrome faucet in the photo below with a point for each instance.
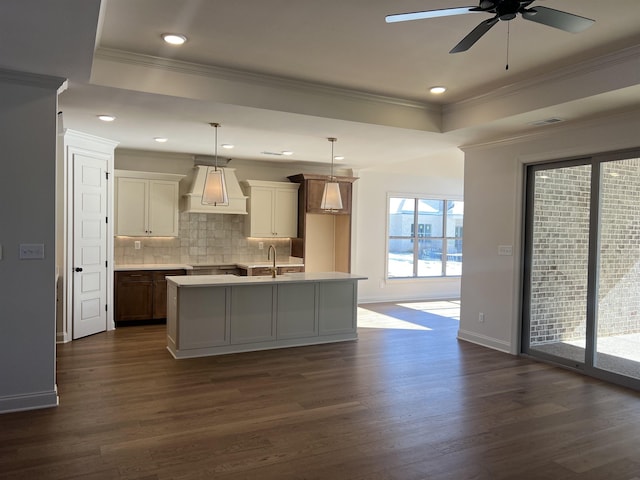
(274, 270)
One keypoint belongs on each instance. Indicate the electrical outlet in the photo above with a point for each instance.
(481, 317)
(260, 245)
(136, 245)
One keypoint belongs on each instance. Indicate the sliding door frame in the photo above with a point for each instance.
(587, 367)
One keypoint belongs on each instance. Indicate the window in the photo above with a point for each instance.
(434, 248)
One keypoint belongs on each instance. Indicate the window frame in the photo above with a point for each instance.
(416, 237)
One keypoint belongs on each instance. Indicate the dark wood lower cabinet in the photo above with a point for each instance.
(141, 294)
(282, 270)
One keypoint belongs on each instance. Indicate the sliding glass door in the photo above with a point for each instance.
(559, 258)
(581, 297)
(617, 343)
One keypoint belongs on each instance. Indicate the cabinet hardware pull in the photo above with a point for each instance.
(78, 269)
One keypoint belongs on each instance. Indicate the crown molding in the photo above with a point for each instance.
(31, 79)
(569, 72)
(543, 132)
(236, 75)
(72, 136)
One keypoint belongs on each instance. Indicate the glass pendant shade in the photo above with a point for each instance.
(331, 198)
(215, 188)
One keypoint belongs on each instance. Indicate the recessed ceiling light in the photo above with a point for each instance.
(438, 90)
(228, 146)
(160, 139)
(288, 153)
(174, 38)
(106, 118)
(338, 157)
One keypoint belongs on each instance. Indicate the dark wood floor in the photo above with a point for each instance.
(409, 402)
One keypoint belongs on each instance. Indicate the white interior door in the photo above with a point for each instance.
(89, 245)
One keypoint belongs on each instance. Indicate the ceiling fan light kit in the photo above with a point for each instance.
(503, 10)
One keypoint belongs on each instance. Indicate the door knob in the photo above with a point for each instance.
(78, 269)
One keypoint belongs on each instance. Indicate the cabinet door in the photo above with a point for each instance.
(133, 296)
(203, 317)
(285, 216)
(252, 315)
(160, 292)
(163, 208)
(131, 206)
(261, 205)
(297, 310)
(337, 311)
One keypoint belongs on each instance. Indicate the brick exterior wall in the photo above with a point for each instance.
(560, 252)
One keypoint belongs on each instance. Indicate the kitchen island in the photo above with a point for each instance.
(218, 314)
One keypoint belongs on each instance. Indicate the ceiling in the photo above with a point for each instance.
(286, 74)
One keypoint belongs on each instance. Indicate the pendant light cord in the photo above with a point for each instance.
(508, 37)
(332, 140)
(215, 165)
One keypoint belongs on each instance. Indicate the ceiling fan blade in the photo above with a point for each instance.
(467, 42)
(558, 19)
(445, 12)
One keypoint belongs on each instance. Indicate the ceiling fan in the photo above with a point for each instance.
(504, 10)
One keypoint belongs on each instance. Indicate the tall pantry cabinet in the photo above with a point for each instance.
(324, 237)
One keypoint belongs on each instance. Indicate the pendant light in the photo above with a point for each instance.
(215, 187)
(331, 199)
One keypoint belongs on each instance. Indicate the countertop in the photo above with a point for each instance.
(228, 280)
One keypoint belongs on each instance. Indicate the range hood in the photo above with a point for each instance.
(192, 201)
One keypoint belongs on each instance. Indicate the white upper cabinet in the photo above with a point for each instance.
(146, 204)
(273, 209)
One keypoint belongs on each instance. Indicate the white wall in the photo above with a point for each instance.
(493, 191)
(441, 177)
(27, 215)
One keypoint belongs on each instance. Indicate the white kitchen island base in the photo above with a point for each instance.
(219, 314)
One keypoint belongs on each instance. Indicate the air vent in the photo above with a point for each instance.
(272, 153)
(546, 121)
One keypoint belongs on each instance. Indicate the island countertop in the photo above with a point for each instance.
(224, 280)
(220, 314)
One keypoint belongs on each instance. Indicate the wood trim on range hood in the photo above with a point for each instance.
(192, 201)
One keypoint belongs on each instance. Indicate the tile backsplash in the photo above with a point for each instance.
(203, 239)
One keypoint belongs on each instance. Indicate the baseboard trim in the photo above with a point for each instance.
(395, 299)
(32, 401)
(62, 337)
(484, 341)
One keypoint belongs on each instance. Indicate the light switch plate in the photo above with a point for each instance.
(31, 251)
